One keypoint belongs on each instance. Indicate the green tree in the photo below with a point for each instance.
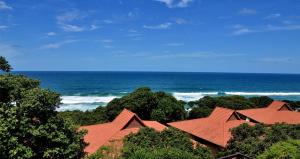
(163, 153)
(4, 65)
(204, 106)
(29, 125)
(261, 101)
(148, 142)
(88, 117)
(282, 150)
(253, 140)
(148, 105)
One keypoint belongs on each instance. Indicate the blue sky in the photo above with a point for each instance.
(152, 35)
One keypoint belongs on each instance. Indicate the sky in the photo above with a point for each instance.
(260, 36)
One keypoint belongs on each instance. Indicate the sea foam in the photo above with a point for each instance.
(86, 99)
(191, 96)
(264, 93)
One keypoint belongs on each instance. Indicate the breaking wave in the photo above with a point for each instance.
(77, 102)
(191, 96)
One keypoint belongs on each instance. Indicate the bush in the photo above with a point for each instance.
(158, 143)
(283, 150)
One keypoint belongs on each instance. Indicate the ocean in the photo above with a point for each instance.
(88, 90)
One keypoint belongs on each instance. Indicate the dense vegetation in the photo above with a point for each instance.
(29, 125)
(254, 140)
(158, 106)
(86, 117)
(284, 149)
(170, 143)
(204, 106)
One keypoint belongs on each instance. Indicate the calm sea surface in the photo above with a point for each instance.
(87, 90)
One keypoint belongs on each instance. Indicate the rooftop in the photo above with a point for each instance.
(215, 128)
(276, 112)
(125, 123)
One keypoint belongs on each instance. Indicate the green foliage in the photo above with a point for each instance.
(102, 152)
(157, 106)
(253, 140)
(150, 143)
(204, 106)
(282, 150)
(261, 101)
(29, 124)
(163, 153)
(89, 117)
(4, 65)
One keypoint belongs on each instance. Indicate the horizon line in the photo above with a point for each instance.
(154, 71)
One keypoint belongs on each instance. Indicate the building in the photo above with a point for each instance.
(213, 131)
(276, 112)
(112, 133)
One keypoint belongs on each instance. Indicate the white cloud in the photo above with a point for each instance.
(94, 27)
(50, 33)
(174, 44)
(247, 11)
(70, 16)
(3, 27)
(180, 21)
(241, 30)
(72, 28)
(4, 6)
(273, 16)
(176, 3)
(160, 26)
(57, 45)
(67, 21)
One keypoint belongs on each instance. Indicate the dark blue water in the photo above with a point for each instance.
(86, 90)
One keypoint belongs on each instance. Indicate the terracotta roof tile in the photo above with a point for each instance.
(214, 129)
(102, 134)
(272, 114)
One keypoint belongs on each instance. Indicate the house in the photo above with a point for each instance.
(276, 112)
(213, 131)
(112, 133)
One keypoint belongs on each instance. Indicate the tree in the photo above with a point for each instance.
(282, 150)
(148, 143)
(29, 124)
(148, 105)
(261, 101)
(254, 140)
(88, 117)
(204, 106)
(4, 65)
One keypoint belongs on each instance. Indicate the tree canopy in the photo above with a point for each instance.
(158, 106)
(282, 150)
(29, 125)
(170, 143)
(254, 140)
(204, 106)
(4, 65)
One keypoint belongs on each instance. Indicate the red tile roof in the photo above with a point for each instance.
(272, 114)
(215, 128)
(101, 134)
